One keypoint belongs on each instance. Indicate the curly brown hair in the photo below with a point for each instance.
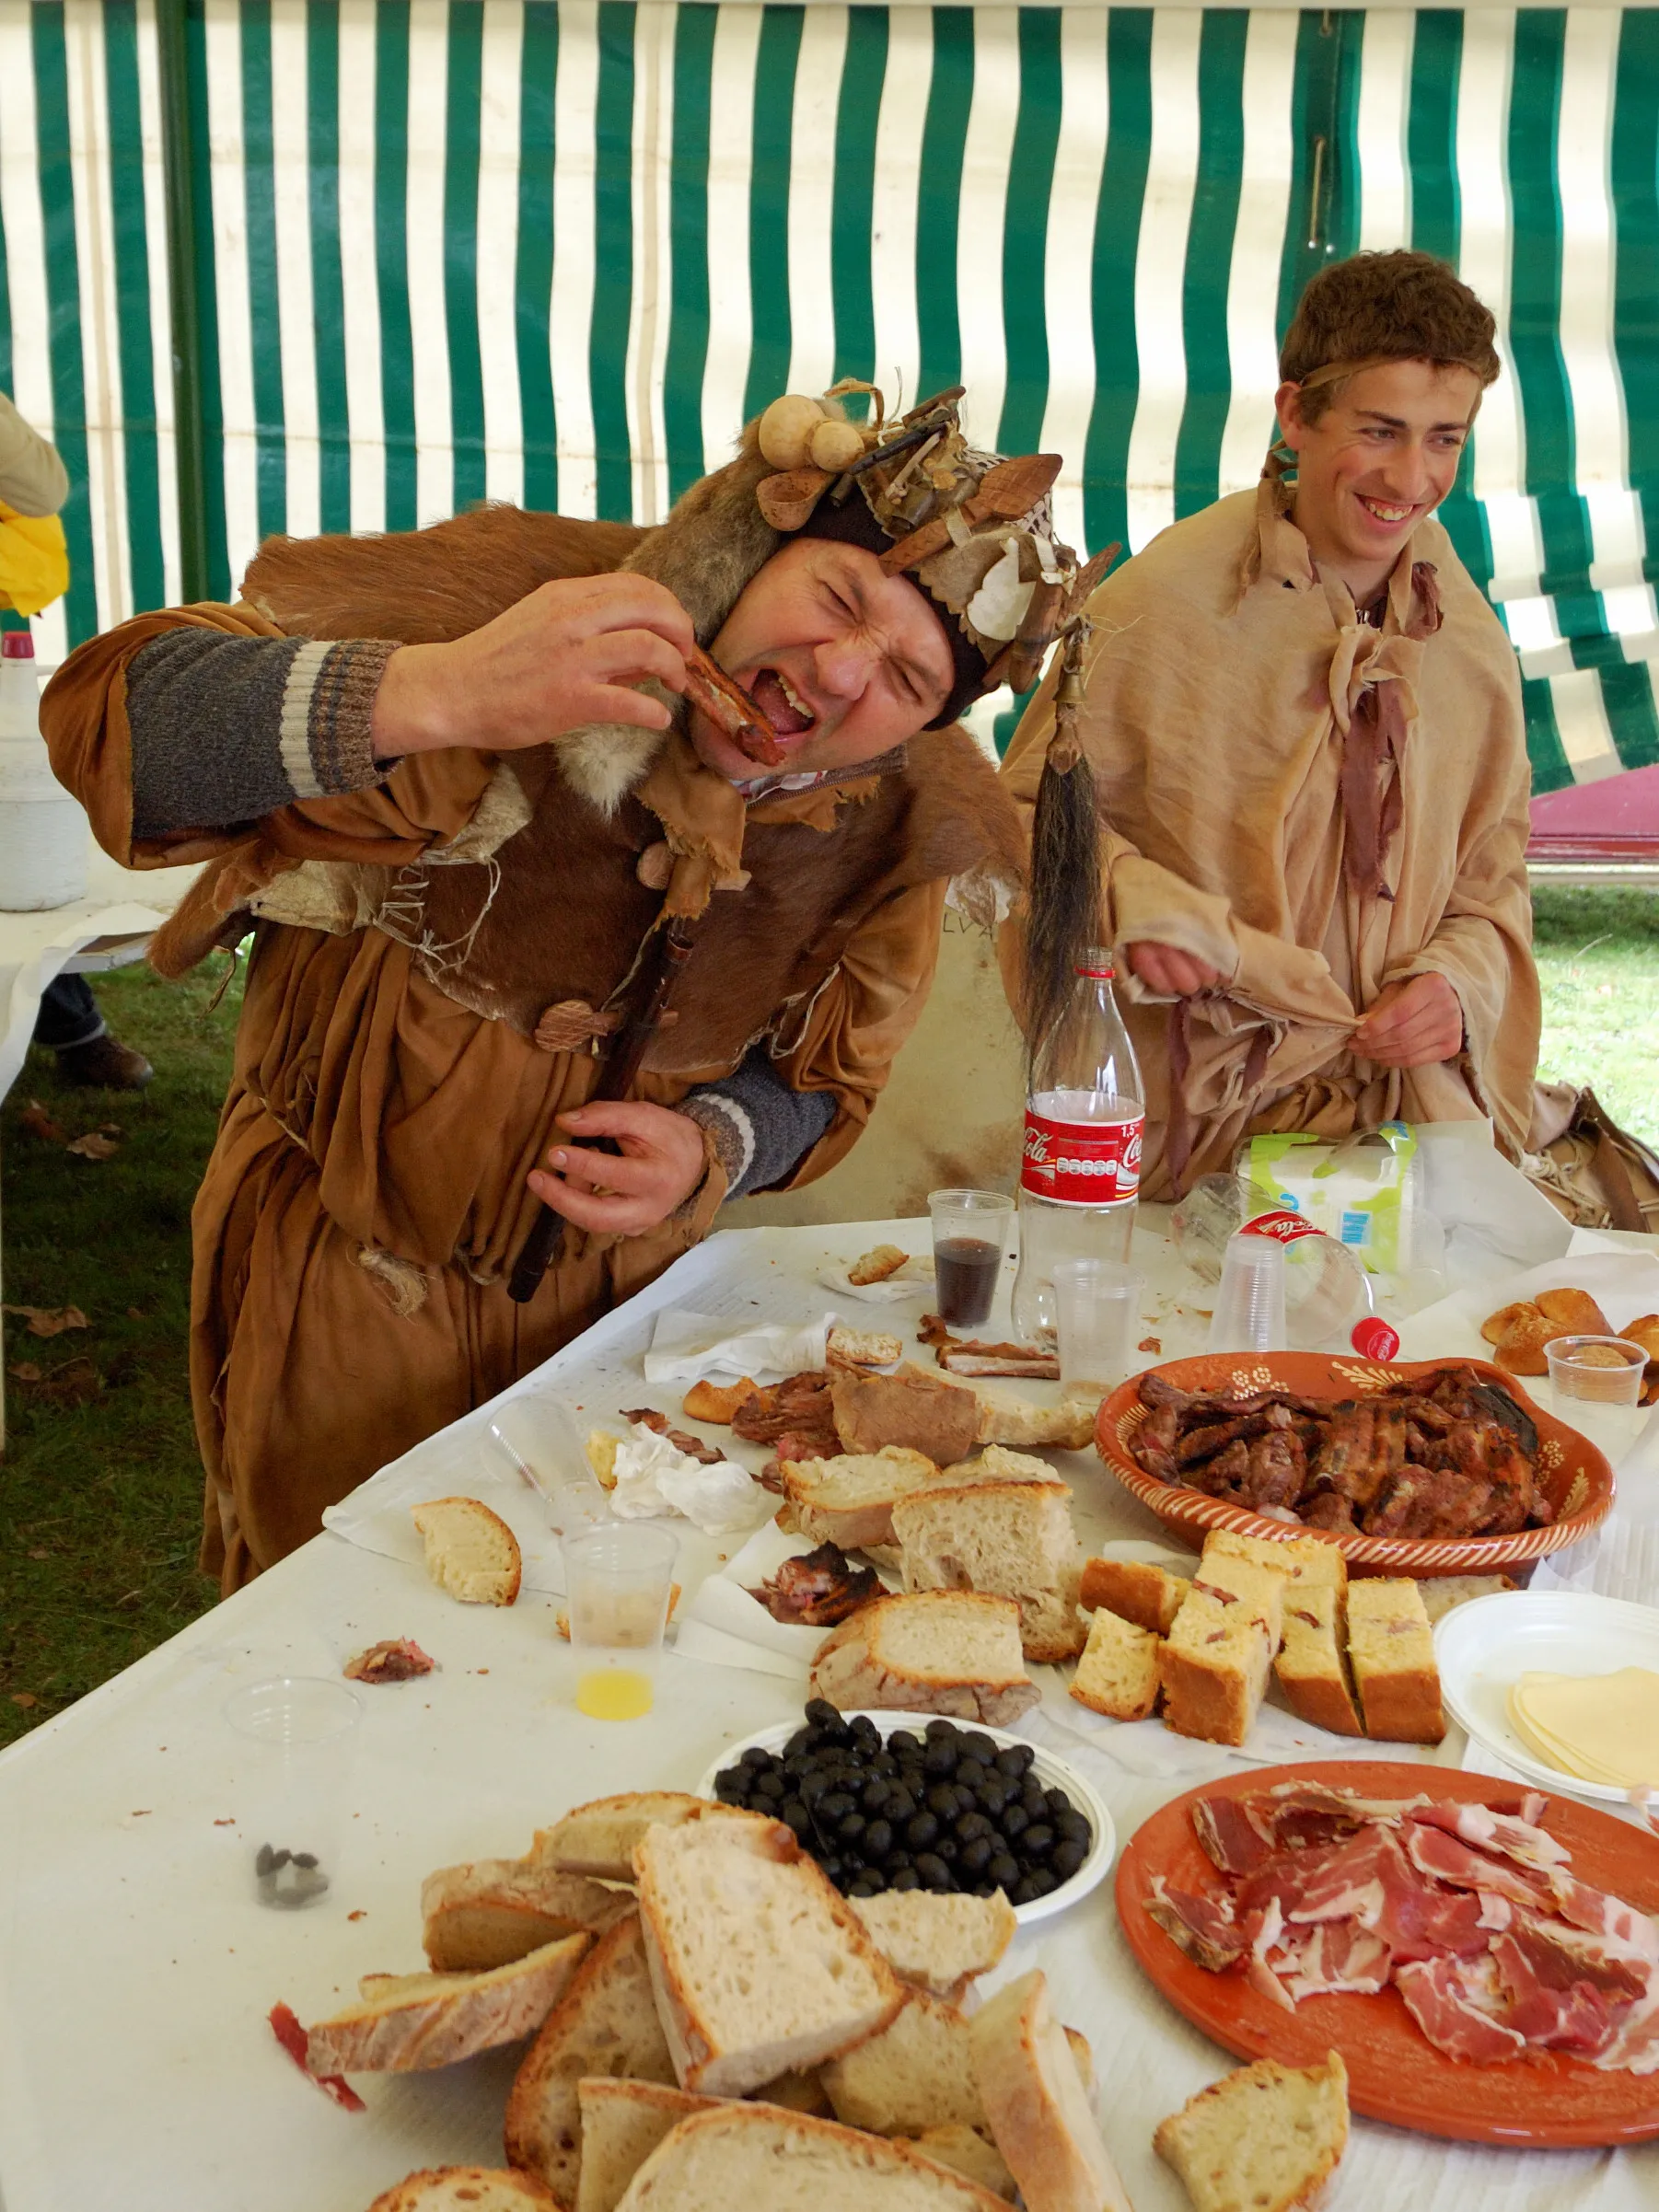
(1392, 307)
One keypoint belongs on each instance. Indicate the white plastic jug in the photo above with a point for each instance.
(42, 829)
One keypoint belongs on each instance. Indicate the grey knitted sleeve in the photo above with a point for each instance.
(226, 729)
(761, 1128)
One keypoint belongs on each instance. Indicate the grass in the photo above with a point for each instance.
(100, 1489)
(100, 1493)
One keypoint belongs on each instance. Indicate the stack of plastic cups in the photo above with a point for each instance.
(1249, 1300)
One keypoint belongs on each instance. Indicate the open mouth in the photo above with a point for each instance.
(1385, 512)
(789, 716)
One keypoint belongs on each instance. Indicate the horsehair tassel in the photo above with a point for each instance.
(1063, 912)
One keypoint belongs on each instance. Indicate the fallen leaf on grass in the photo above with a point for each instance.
(50, 1320)
(40, 1123)
(24, 1698)
(72, 1384)
(40, 1555)
(97, 1144)
(26, 1370)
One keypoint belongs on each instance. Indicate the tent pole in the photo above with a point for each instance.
(189, 444)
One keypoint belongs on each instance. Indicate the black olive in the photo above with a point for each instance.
(800, 1742)
(863, 1885)
(1004, 1869)
(850, 1828)
(729, 1786)
(933, 1872)
(942, 1799)
(1014, 1760)
(974, 1856)
(906, 1878)
(771, 1786)
(833, 1867)
(977, 1744)
(900, 1802)
(992, 1795)
(972, 1774)
(1067, 1858)
(1015, 1821)
(878, 1840)
(835, 1804)
(814, 1785)
(946, 1849)
(984, 1889)
(897, 1860)
(794, 1815)
(942, 1732)
(1036, 1843)
(754, 1757)
(920, 1831)
(821, 1713)
(1073, 1827)
(1024, 1892)
(971, 1827)
(874, 1794)
(1058, 1802)
(1035, 1798)
(940, 1758)
(902, 1742)
(884, 1763)
(1041, 1881)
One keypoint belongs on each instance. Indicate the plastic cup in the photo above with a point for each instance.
(1098, 1305)
(538, 1439)
(1249, 1299)
(297, 1738)
(1596, 1387)
(618, 1581)
(970, 1235)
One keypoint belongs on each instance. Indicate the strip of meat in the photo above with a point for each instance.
(1503, 1832)
(1229, 1836)
(1572, 2019)
(1338, 1956)
(1206, 1442)
(799, 1403)
(1201, 1926)
(1150, 1444)
(731, 709)
(1277, 1470)
(396, 1658)
(1446, 1857)
(817, 1588)
(1440, 1996)
(286, 2027)
(692, 1446)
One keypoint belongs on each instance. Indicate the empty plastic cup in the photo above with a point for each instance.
(1596, 1387)
(1249, 1299)
(1099, 1308)
(618, 1581)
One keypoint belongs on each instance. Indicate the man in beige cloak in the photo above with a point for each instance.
(1304, 726)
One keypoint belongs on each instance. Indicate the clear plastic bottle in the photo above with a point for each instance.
(1081, 1166)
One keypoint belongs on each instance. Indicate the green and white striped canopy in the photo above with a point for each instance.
(452, 250)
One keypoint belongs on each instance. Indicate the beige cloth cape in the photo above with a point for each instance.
(1224, 678)
(365, 1196)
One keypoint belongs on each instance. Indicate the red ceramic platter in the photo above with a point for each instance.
(1393, 2073)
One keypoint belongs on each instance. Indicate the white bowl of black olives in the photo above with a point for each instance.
(891, 1800)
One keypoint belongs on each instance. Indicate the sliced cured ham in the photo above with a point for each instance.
(1504, 1834)
(1442, 1996)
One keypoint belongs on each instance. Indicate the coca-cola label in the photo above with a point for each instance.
(1081, 1163)
(1284, 1228)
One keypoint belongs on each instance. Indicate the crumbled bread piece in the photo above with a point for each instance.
(1117, 1673)
(708, 1402)
(865, 1348)
(1150, 1596)
(601, 1448)
(876, 1264)
(470, 1552)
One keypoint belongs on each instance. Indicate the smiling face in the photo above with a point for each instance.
(1381, 457)
(843, 662)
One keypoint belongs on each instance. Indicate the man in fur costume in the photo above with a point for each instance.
(1304, 729)
(458, 921)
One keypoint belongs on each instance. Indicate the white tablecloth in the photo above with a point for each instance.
(136, 2066)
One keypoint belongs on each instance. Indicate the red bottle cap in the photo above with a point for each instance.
(1374, 1340)
(17, 645)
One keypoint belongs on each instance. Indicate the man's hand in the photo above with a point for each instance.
(1172, 974)
(565, 655)
(1411, 1025)
(661, 1164)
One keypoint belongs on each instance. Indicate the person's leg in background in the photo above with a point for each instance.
(69, 1024)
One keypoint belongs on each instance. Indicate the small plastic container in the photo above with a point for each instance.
(1099, 1310)
(297, 1752)
(971, 1236)
(1596, 1387)
(1249, 1300)
(618, 1581)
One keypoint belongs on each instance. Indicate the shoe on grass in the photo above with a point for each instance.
(104, 1063)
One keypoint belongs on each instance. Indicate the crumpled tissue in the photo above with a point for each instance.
(653, 1478)
(686, 1346)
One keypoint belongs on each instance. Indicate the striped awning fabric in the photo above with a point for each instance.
(452, 250)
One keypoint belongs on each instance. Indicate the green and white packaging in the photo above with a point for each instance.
(1361, 1189)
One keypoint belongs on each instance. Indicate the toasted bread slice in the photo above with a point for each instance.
(411, 2022)
(1005, 1533)
(1149, 1596)
(756, 2157)
(938, 1651)
(605, 2023)
(1117, 1673)
(917, 2073)
(1311, 1665)
(1265, 2138)
(1303, 1558)
(966, 2151)
(623, 2123)
(1040, 2113)
(470, 1552)
(467, 2189)
(937, 1942)
(716, 1405)
(599, 1839)
(495, 1910)
(1391, 1649)
(759, 1966)
(1213, 1665)
(849, 1500)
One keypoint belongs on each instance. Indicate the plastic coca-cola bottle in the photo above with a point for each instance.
(1081, 1166)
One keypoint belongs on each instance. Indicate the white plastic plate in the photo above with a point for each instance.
(1483, 1649)
(1051, 1772)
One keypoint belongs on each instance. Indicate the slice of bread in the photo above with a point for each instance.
(411, 2022)
(759, 1966)
(849, 1501)
(467, 2189)
(495, 1910)
(605, 2023)
(865, 1348)
(1311, 1666)
(966, 2151)
(1149, 1596)
(714, 1403)
(598, 1839)
(1006, 1417)
(917, 2073)
(470, 1552)
(940, 1652)
(1259, 1585)
(1313, 1559)
(1117, 1673)
(1039, 2111)
(1214, 1666)
(1266, 2138)
(1391, 1649)
(1006, 1534)
(876, 1264)
(798, 2093)
(1442, 1594)
(623, 2123)
(755, 2158)
(923, 1411)
(937, 1942)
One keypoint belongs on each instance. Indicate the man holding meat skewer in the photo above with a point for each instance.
(530, 929)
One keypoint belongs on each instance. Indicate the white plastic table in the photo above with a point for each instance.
(136, 2066)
